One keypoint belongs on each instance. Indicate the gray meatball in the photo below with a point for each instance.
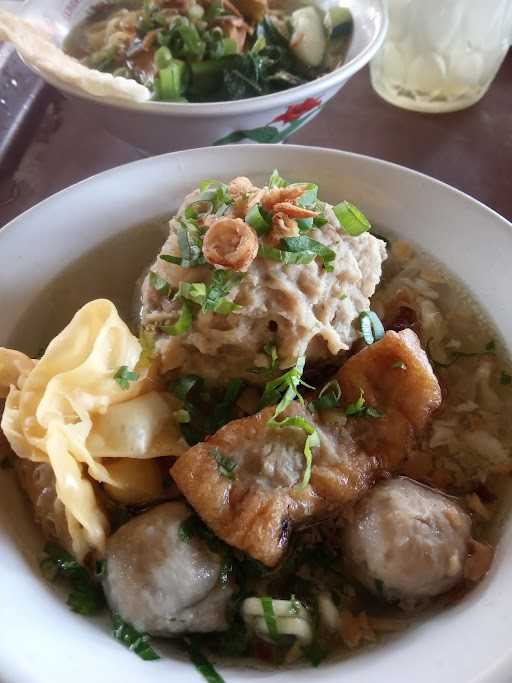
(407, 542)
(161, 583)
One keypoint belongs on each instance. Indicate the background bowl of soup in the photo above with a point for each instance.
(156, 126)
(50, 266)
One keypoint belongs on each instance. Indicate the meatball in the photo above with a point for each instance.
(161, 583)
(407, 542)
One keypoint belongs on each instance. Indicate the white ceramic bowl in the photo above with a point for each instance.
(161, 126)
(83, 243)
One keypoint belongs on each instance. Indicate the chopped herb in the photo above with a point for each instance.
(309, 197)
(134, 640)
(352, 220)
(158, 283)
(212, 297)
(124, 376)
(328, 398)
(371, 327)
(270, 617)
(205, 668)
(275, 180)
(360, 409)
(312, 441)
(286, 257)
(225, 464)
(86, 596)
(303, 244)
(270, 350)
(505, 378)
(182, 324)
(284, 389)
(399, 364)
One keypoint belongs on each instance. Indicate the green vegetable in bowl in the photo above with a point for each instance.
(211, 50)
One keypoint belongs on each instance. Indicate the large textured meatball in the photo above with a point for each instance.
(407, 542)
(304, 308)
(161, 583)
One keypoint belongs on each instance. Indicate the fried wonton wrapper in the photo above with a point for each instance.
(70, 412)
(42, 54)
(245, 481)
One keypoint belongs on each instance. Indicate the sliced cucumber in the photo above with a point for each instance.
(338, 21)
(308, 41)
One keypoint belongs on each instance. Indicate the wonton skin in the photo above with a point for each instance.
(161, 583)
(254, 508)
(407, 542)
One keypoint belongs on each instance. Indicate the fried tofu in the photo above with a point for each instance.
(254, 506)
(397, 379)
(245, 480)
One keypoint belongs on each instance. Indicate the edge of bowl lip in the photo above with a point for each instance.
(235, 107)
(11, 225)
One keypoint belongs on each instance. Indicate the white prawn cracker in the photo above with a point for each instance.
(42, 54)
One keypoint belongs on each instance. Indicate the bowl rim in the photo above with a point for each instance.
(251, 104)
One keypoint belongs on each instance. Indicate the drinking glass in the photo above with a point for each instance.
(441, 55)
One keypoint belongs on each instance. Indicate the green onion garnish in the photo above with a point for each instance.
(169, 82)
(371, 327)
(328, 398)
(183, 323)
(352, 220)
(312, 441)
(134, 640)
(198, 659)
(225, 464)
(399, 364)
(124, 376)
(275, 180)
(360, 408)
(270, 617)
(257, 220)
(309, 197)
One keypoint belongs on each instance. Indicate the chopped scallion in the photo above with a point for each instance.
(183, 323)
(124, 376)
(352, 220)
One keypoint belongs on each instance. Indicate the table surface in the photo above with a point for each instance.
(470, 149)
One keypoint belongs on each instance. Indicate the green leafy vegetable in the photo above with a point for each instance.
(134, 640)
(181, 325)
(352, 220)
(304, 244)
(286, 257)
(284, 389)
(371, 327)
(309, 197)
(124, 376)
(225, 464)
(85, 596)
(270, 617)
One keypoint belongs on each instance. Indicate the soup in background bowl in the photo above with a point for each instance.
(430, 281)
(269, 117)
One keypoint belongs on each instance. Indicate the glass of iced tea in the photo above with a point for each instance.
(441, 55)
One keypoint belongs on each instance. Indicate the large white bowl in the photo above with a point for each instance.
(162, 126)
(77, 245)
